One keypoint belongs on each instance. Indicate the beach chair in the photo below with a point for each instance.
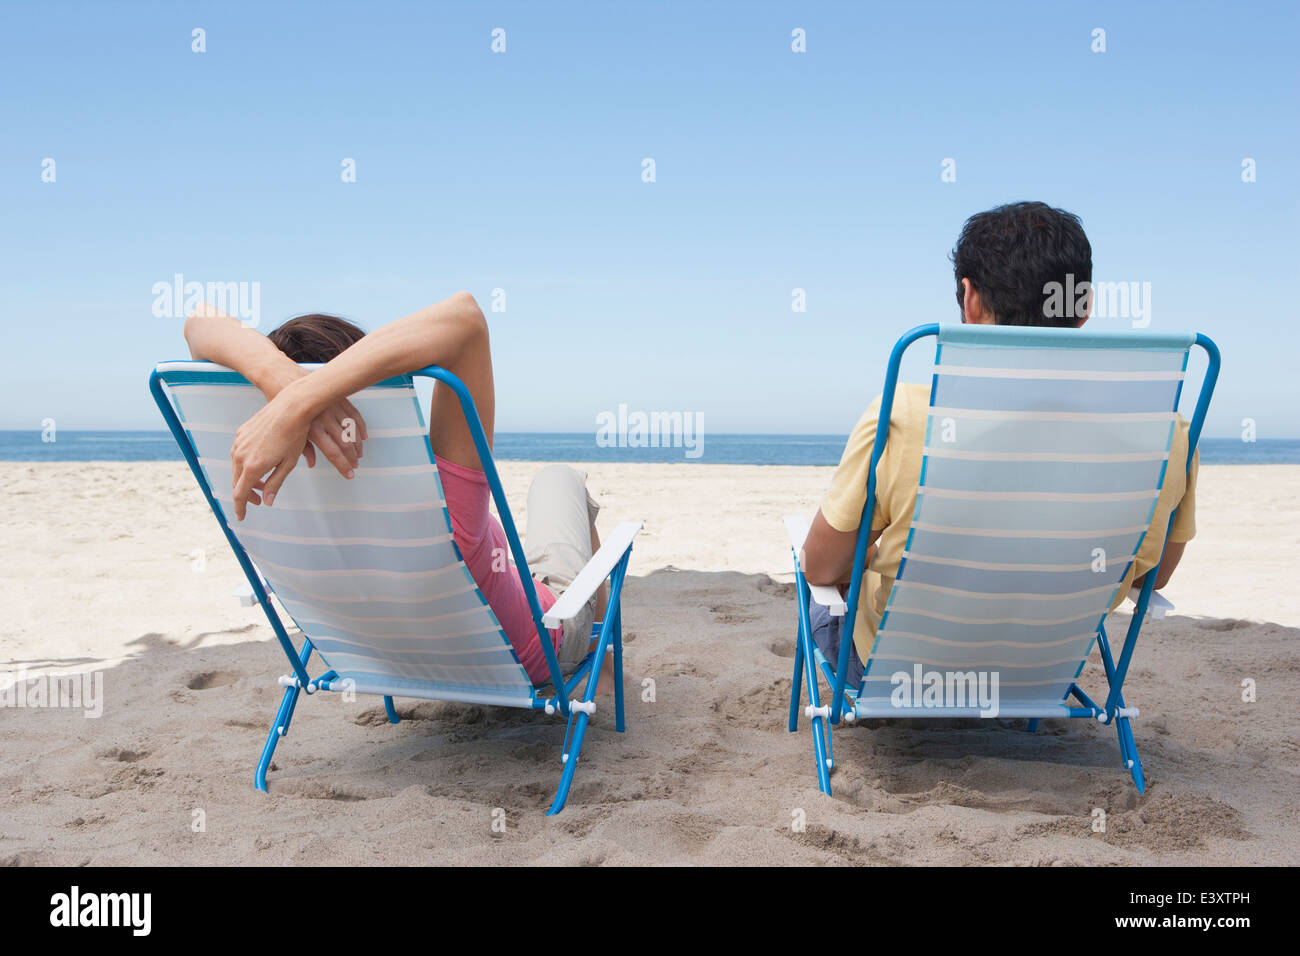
(1045, 451)
(368, 569)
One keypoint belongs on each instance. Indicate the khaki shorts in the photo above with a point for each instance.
(561, 516)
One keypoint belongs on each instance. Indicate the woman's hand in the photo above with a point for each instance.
(337, 432)
(272, 440)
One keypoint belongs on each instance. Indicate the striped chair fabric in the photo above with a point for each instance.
(1045, 453)
(366, 568)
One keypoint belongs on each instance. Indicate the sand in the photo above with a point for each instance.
(120, 569)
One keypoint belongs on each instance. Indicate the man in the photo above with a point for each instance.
(1003, 263)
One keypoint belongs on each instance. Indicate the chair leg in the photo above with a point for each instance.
(1033, 726)
(1128, 748)
(1123, 727)
(796, 689)
(821, 738)
(820, 725)
(576, 728)
(278, 730)
(391, 711)
(281, 726)
(570, 763)
(619, 724)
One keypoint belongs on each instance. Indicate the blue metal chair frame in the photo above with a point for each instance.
(808, 660)
(608, 632)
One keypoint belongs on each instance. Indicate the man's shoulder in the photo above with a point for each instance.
(911, 403)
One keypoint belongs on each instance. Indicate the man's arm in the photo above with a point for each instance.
(827, 556)
(1173, 554)
(272, 439)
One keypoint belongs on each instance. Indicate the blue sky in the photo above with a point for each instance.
(522, 171)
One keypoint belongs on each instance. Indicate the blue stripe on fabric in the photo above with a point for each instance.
(351, 557)
(448, 690)
(888, 665)
(1032, 515)
(1011, 436)
(395, 525)
(900, 647)
(1051, 395)
(905, 597)
(347, 615)
(1136, 360)
(469, 624)
(1011, 336)
(1002, 550)
(425, 621)
(1073, 477)
(1044, 583)
(219, 376)
(960, 632)
(415, 652)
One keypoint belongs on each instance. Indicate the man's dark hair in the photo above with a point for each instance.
(1010, 253)
(315, 337)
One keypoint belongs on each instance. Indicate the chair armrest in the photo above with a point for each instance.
(593, 575)
(245, 591)
(797, 528)
(1157, 607)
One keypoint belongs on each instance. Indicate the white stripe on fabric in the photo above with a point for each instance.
(477, 609)
(1026, 532)
(359, 572)
(377, 598)
(414, 431)
(1078, 497)
(1090, 375)
(908, 635)
(962, 665)
(332, 542)
(283, 504)
(992, 566)
(956, 619)
(993, 414)
(223, 391)
(938, 451)
(391, 471)
(429, 643)
(1062, 681)
(1004, 595)
(506, 695)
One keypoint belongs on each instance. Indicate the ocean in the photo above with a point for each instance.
(537, 446)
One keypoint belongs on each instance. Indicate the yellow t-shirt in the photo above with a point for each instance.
(898, 476)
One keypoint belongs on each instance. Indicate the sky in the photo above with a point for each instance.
(523, 171)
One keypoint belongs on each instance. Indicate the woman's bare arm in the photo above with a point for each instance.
(214, 336)
(270, 441)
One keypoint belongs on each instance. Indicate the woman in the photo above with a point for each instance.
(308, 414)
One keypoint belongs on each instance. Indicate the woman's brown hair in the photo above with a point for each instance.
(314, 338)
